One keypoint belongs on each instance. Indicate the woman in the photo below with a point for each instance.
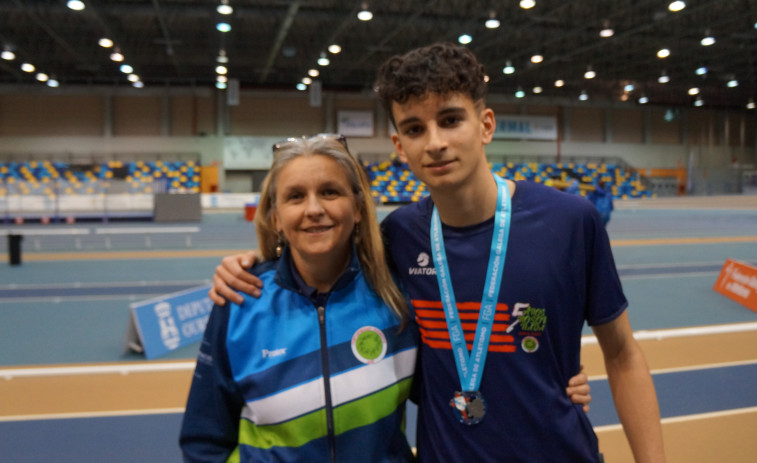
(319, 367)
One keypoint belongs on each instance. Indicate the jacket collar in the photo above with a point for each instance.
(287, 276)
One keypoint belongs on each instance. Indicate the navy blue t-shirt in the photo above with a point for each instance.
(559, 272)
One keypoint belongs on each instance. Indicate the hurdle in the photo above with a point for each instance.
(107, 232)
(36, 233)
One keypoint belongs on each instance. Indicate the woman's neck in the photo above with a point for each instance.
(319, 272)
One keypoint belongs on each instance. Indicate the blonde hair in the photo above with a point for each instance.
(368, 240)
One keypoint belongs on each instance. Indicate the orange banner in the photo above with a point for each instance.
(738, 281)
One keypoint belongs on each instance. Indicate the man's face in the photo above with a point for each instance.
(442, 138)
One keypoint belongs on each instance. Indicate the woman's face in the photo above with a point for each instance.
(315, 209)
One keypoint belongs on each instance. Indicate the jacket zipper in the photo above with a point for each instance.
(327, 383)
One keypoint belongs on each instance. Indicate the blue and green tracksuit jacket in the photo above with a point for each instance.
(284, 379)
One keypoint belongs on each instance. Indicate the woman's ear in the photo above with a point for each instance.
(275, 221)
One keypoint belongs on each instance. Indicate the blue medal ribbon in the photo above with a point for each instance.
(470, 367)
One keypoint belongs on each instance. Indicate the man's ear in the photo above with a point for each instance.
(398, 147)
(488, 125)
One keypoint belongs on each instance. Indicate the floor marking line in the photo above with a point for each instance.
(671, 264)
(129, 255)
(123, 369)
(645, 335)
(703, 366)
(657, 276)
(9, 373)
(59, 299)
(102, 284)
(684, 418)
(103, 414)
(683, 241)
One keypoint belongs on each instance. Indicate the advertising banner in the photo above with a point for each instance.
(738, 281)
(161, 325)
(526, 127)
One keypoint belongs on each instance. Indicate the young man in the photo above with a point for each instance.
(501, 277)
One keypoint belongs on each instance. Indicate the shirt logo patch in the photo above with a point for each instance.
(369, 344)
(530, 344)
(423, 269)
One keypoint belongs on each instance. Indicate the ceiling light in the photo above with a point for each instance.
(8, 55)
(702, 70)
(53, 83)
(224, 7)
(222, 58)
(223, 27)
(698, 102)
(707, 40)
(492, 22)
(750, 104)
(583, 96)
(105, 42)
(589, 74)
(116, 56)
(628, 88)
(138, 84)
(538, 89)
(537, 58)
(126, 69)
(27, 67)
(220, 85)
(663, 53)
(133, 78)
(606, 30)
(508, 69)
(334, 49)
(301, 86)
(693, 91)
(643, 99)
(222, 79)
(465, 39)
(733, 83)
(676, 6)
(559, 83)
(664, 78)
(42, 77)
(527, 4)
(76, 5)
(313, 72)
(221, 70)
(364, 14)
(486, 78)
(307, 80)
(520, 93)
(323, 61)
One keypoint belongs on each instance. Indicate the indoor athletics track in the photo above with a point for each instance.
(69, 394)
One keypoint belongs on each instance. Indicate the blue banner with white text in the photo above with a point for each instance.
(166, 323)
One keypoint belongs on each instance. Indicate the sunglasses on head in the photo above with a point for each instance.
(321, 136)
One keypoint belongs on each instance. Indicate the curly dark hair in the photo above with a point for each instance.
(438, 68)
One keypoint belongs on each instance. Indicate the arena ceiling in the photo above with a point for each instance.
(273, 44)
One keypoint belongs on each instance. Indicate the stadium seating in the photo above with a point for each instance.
(393, 182)
(51, 178)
